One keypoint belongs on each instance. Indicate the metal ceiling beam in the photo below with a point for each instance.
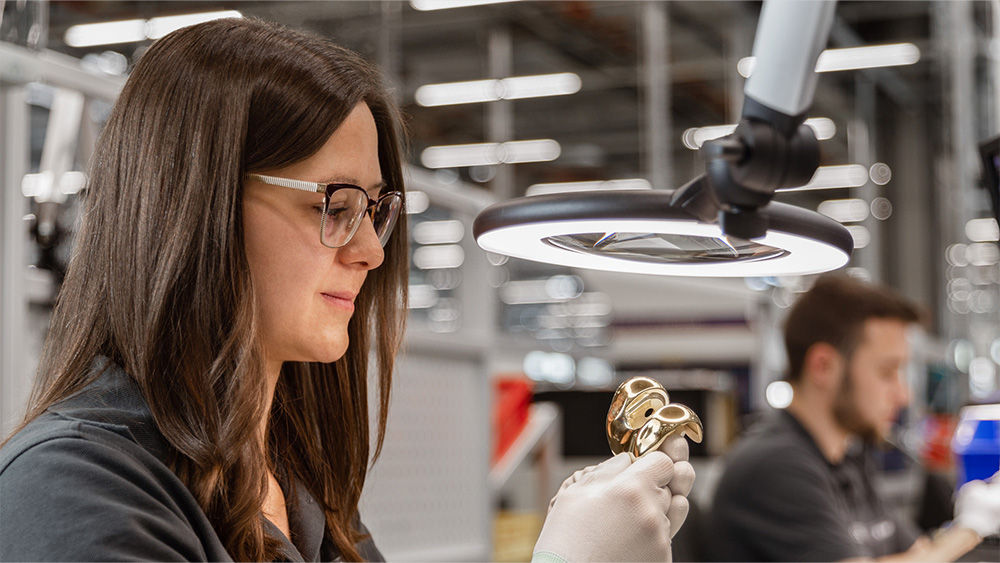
(21, 65)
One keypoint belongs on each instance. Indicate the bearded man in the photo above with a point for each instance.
(799, 486)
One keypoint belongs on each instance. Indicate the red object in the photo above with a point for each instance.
(938, 430)
(511, 404)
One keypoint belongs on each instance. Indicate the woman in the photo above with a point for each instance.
(202, 393)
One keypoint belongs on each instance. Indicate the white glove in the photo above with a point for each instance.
(676, 448)
(977, 506)
(619, 511)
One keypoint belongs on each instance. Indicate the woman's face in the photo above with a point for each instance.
(305, 291)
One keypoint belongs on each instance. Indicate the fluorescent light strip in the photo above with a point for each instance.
(131, 31)
(105, 33)
(540, 150)
(416, 202)
(428, 5)
(693, 138)
(540, 85)
(982, 230)
(563, 187)
(832, 177)
(853, 58)
(514, 88)
(862, 237)
(555, 289)
(448, 231)
(438, 257)
(158, 27)
(874, 56)
(483, 154)
(453, 93)
(43, 185)
(982, 253)
(422, 296)
(845, 210)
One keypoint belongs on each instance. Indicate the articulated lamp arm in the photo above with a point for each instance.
(771, 148)
(791, 34)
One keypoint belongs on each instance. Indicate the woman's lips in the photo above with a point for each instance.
(341, 301)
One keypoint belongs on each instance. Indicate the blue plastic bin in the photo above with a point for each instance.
(977, 442)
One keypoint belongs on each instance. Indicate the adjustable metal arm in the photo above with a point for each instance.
(790, 36)
(771, 148)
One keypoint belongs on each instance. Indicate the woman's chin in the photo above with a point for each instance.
(332, 353)
(323, 352)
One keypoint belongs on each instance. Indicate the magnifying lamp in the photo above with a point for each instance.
(722, 223)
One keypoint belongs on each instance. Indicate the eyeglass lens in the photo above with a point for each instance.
(343, 213)
(345, 209)
(384, 216)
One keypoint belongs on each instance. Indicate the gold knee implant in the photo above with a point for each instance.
(641, 417)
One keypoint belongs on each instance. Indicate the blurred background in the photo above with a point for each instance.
(510, 365)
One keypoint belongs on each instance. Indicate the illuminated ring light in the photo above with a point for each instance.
(562, 228)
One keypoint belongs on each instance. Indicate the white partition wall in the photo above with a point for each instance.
(428, 496)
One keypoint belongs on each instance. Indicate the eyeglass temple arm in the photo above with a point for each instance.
(294, 184)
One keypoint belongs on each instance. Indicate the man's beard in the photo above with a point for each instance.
(845, 412)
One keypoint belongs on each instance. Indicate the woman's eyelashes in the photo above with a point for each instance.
(331, 212)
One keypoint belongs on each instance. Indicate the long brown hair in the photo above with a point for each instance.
(159, 280)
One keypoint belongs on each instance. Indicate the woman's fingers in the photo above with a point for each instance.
(677, 513)
(676, 447)
(655, 466)
(683, 479)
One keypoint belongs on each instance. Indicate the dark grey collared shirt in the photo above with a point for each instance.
(86, 481)
(779, 499)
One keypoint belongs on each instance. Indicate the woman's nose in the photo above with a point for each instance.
(364, 247)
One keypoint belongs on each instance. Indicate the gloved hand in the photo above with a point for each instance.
(619, 511)
(977, 506)
(676, 448)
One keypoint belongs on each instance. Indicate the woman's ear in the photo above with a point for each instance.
(823, 366)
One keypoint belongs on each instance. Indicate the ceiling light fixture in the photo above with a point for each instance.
(483, 154)
(438, 257)
(513, 88)
(565, 187)
(555, 289)
(982, 230)
(428, 5)
(852, 210)
(723, 222)
(833, 177)
(105, 33)
(695, 137)
(448, 231)
(861, 235)
(131, 31)
(852, 58)
(158, 27)
(417, 202)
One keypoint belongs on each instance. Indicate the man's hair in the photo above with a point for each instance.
(834, 311)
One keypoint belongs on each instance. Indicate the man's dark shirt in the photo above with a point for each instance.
(86, 481)
(779, 499)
